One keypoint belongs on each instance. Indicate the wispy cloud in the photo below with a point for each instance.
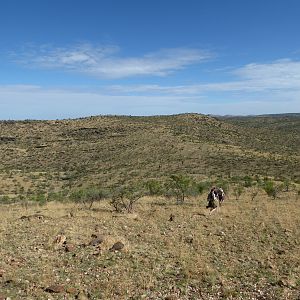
(107, 61)
(253, 89)
(278, 77)
(280, 74)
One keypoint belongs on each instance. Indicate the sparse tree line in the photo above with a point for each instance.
(177, 186)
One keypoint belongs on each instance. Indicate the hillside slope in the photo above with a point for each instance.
(114, 149)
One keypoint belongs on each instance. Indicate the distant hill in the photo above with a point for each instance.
(114, 149)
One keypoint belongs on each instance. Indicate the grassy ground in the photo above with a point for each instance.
(246, 250)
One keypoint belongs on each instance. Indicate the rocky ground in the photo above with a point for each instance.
(245, 250)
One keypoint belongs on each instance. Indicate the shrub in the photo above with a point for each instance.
(270, 188)
(178, 186)
(200, 187)
(4, 199)
(124, 198)
(88, 196)
(154, 187)
(248, 181)
(41, 199)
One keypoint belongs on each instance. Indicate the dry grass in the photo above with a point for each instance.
(246, 250)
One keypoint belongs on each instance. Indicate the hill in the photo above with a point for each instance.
(110, 150)
(248, 249)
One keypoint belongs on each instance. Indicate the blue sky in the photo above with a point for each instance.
(71, 58)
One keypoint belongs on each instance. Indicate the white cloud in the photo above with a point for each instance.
(277, 78)
(255, 89)
(22, 102)
(104, 61)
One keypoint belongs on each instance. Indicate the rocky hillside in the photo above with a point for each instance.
(114, 149)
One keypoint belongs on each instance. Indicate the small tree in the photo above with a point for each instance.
(88, 196)
(117, 201)
(178, 186)
(154, 187)
(93, 195)
(124, 198)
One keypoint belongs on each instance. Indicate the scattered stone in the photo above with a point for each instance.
(1, 272)
(189, 239)
(2, 297)
(55, 289)
(172, 217)
(117, 246)
(60, 240)
(281, 251)
(270, 265)
(286, 282)
(96, 240)
(220, 233)
(97, 252)
(71, 290)
(70, 248)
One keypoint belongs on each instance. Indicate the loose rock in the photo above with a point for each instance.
(60, 239)
(117, 246)
(70, 248)
(55, 289)
(71, 290)
(96, 241)
(189, 239)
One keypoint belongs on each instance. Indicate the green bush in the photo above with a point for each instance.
(5, 199)
(201, 187)
(88, 196)
(178, 186)
(270, 188)
(248, 181)
(124, 198)
(154, 187)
